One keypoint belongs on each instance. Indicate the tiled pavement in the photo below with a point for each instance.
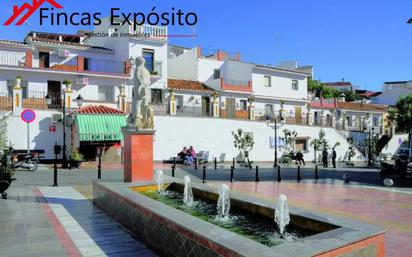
(391, 210)
(60, 222)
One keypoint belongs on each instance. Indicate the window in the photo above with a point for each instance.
(375, 121)
(156, 96)
(216, 74)
(268, 109)
(179, 102)
(267, 82)
(11, 83)
(349, 121)
(243, 105)
(106, 93)
(148, 56)
(295, 85)
(301, 144)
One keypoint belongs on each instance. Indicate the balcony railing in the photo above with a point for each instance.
(149, 31)
(6, 101)
(235, 85)
(36, 100)
(12, 58)
(75, 63)
(104, 66)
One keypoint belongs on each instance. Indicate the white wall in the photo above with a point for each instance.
(281, 85)
(236, 70)
(394, 144)
(214, 135)
(206, 68)
(40, 137)
(392, 92)
(183, 66)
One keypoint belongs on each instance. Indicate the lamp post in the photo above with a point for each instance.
(79, 100)
(370, 129)
(275, 129)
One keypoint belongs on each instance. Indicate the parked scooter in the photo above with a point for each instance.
(26, 162)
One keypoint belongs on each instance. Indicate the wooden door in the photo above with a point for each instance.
(298, 115)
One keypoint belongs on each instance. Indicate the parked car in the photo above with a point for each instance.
(402, 165)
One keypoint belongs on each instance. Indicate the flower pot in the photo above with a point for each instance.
(5, 182)
(18, 83)
(75, 163)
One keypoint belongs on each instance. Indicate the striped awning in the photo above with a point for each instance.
(98, 127)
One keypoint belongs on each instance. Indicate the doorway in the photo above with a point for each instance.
(44, 59)
(205, 106)
(298, 115)
(231, 108)
(54, 92)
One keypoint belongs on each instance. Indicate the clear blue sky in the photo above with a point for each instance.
(364, 41)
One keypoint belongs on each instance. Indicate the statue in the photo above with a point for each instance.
(141, 115)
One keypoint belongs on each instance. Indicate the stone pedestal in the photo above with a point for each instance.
(138, 154)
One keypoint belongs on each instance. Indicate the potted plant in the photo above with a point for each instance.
(68, 84)
(6, 174)
(76, 159)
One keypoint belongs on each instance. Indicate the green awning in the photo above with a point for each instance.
(99, 127)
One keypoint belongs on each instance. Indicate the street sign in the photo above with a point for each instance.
(28, 115)
(52, 128)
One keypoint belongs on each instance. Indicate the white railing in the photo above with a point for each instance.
(149, 31)
(12, 58)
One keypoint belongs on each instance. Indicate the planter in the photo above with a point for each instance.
(5, 182)
(75, 164)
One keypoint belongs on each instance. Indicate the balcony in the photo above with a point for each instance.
(236, 85)
(146, 31)
(76, 63)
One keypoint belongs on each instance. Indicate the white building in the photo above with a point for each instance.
(245, 90)
(99, 69)
(392, 91)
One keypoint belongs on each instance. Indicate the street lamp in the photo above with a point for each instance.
(275, 129)
(79, 100)
(48, 99)
(370, 129)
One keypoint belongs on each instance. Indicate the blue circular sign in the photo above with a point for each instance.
(28, 115)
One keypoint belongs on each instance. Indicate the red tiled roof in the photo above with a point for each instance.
(361, 107)
(370, 94)
(99, 109)
(337, 84)
(189, 85)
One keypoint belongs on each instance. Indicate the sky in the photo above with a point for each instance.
(366, 42)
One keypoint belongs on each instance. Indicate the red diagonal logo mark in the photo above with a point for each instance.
(17, 11)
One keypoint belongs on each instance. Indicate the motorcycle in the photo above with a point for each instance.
(28, 161)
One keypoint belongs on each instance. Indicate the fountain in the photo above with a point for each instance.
(159, 181)
(223, 203)
(251, 222)
(282, 217)
(187, 192)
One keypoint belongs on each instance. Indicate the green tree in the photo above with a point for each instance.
(243, 142)
(290, 136)
(319, 143)
(401, 115)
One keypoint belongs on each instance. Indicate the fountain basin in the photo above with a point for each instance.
(171, 232)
